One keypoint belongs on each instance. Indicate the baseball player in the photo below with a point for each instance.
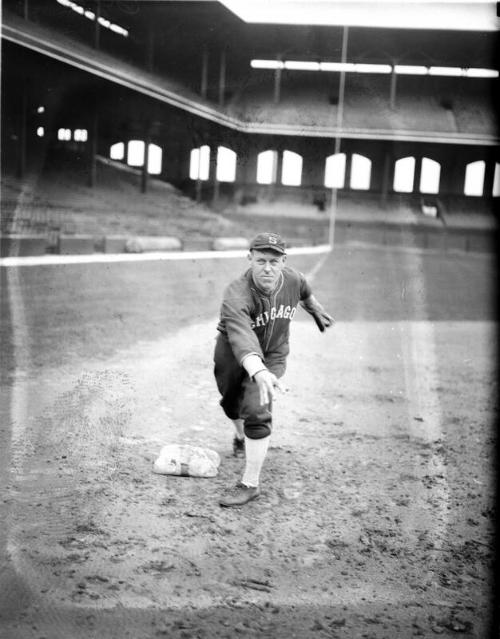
(251, 350)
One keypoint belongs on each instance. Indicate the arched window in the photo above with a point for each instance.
(64, 134)
(135, 153)
(226, 165)
(80, 135)
(496, 181)
(155, 159)
(335, 171)
(474, 178)
(117, 151)
(266, 167)
(199, 165)
(404, 171)
(429, 176)
(291, 170)
(361, 169)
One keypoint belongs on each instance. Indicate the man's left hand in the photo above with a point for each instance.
(323, 320)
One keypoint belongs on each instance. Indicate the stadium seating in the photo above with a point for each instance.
(312, 101)
(60, 202)
(55, 201)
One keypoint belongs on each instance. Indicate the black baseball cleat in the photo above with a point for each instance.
(239, 495)
(238, 447)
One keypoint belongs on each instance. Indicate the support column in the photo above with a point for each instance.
(277, 83)
(198, 188)
(340, 116)
(347, 174)
(145, 173)
(489, 175)
(92, 147)
(173, 160)
(150, 51)
(393, 88)
(446, 176)
(222, 78)
(97, 26)
(21, 165)
(213, 176)
(26, 10)
(386, 176)
(241, 168)
(277, 169)
(313, 169)
(416, 175)
(204, 73)
(246, 174)
(183, 164)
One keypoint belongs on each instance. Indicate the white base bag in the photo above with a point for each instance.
(187, 461)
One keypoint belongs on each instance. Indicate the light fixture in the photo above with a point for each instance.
(481, 73)
(90, 15)
(299, 65)
(349, 67)
(266, 64)
(336, 66)
(409, 69)
(446, 71)
(373, 68)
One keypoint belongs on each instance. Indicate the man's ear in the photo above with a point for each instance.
(249, 256)
(284, 257)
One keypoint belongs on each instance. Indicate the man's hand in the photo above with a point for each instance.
(267, 382)
(323, 319)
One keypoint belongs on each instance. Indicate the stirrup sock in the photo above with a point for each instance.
(238, 425)
(255, 454)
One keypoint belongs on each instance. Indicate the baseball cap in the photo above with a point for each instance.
(270, 241)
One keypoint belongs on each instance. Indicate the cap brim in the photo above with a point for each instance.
(269, 247)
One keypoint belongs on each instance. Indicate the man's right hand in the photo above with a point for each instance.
(267, 382)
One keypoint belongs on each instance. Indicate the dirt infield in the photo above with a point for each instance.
(376, 518)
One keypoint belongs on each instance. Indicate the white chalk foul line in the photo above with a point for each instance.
(418, 343)
(96, 258)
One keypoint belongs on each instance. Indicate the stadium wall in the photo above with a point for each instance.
(124, 115)
(452, 158)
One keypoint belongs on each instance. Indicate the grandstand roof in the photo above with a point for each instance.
(178, 32)
(465, 38)
(461, 33)
(472, 15)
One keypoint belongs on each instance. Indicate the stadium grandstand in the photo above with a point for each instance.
(202, 119)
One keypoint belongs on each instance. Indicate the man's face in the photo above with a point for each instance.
(266, 268)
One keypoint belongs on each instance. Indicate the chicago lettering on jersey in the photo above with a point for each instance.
(283, 312)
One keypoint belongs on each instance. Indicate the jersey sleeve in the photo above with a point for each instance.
(235, 315)
(305, 289)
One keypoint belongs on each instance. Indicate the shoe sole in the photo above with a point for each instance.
(243, 503)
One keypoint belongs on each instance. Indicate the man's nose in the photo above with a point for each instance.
(267, 267)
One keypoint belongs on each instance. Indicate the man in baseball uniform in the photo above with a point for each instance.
(251, 351)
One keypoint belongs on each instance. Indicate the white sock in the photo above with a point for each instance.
(255, 453)
(238, 426)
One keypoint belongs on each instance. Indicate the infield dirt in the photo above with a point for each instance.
(375, 520)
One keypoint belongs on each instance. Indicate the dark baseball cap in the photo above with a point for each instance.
(269, 241)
